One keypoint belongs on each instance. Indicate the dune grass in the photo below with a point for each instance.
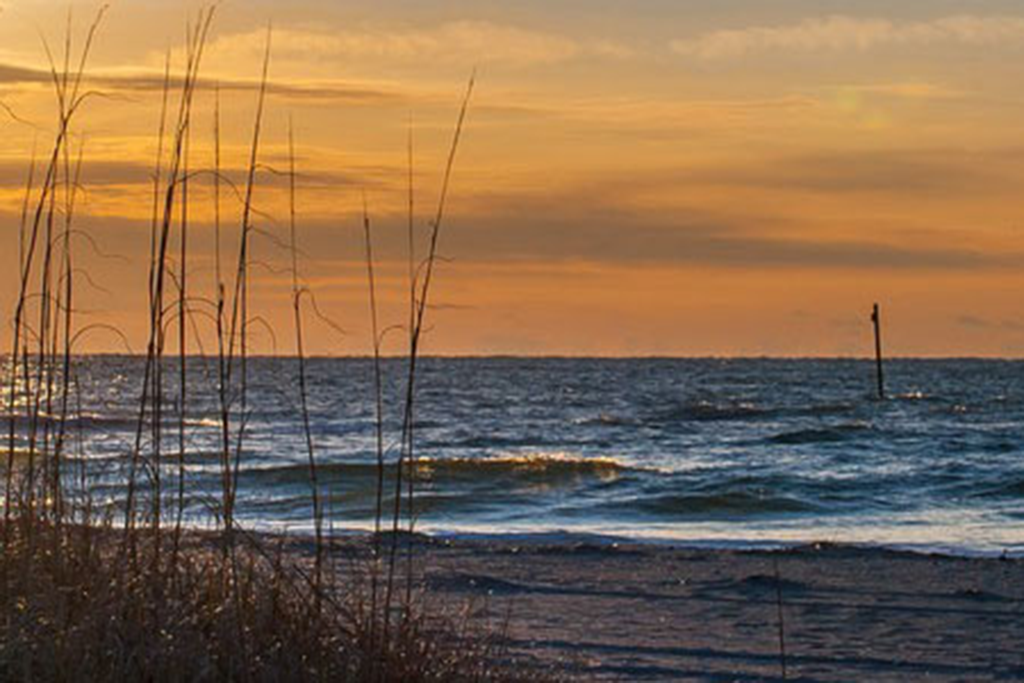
(72, 613)
(93, 592)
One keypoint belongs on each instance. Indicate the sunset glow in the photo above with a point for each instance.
(651, 177)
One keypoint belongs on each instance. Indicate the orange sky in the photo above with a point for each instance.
(637, 177)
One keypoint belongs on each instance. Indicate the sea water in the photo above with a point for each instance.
(724, 452)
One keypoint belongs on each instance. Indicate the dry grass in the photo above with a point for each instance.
(97, 596)
(72, 613)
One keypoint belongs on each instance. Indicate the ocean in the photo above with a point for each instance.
(737, 452)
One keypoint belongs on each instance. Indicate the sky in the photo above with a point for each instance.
(636, 177)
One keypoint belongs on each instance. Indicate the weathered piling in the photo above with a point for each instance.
(876, 318)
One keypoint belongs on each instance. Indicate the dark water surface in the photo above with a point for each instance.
(723, 451)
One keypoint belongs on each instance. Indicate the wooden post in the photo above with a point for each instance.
(876, 318)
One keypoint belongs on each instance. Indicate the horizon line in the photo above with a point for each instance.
(561, 356)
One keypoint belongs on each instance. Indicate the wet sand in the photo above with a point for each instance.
(621, 612)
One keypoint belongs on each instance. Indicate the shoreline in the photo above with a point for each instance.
(637, 611)
(950, 551)
(594, 610)
(585, 608)
(738, 544)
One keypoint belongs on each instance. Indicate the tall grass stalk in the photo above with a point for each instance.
(421, 300)
(153, 302)
(239, 325)
(223, 380)
(411, 281)
(182, 340)
(300, 353)
(222, 376)
(378, 395)
(25, 205)
(71, 193)
(152, 392)
(69, 97)
(12, 413)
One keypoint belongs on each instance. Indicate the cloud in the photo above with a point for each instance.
(897, 174)
(909, 90)
(599, 223)
(461, 42)
(978, 323)
(108, 173)
(573, 227)
(689, 240)
(151, 81)
(937, 172)
(840, 33)
(19, 75)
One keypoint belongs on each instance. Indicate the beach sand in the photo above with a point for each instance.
(629, 612)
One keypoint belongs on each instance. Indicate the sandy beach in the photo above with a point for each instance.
(629, 612)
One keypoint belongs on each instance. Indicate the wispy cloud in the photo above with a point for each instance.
(462, 42)
(896, 172)
(570, 225)
(844, 33)
(136, 81)
(909, 90)
(976, 322)
(11, 74)
(688, 239)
